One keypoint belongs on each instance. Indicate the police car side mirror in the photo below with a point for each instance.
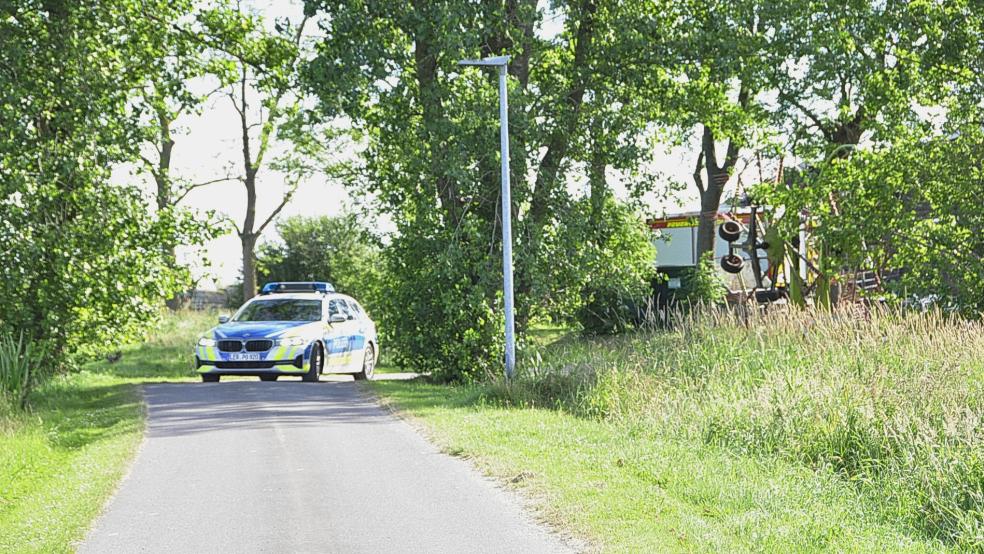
(337, 318)
(223, 319)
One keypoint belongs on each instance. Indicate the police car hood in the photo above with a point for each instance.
(265, 329)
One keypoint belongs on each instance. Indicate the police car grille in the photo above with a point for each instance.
(258, 345)
(230, 345)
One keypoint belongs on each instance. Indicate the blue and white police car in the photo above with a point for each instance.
(304, 329)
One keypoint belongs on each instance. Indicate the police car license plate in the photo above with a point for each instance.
(244, 357)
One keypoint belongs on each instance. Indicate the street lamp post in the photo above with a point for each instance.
(501, 63)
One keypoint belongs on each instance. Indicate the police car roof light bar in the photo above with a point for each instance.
(300, 286)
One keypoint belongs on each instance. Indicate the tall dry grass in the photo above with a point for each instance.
(892, 402)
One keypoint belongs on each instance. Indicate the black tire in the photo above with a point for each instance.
(729, 230)
(732, 263)
(210, 378)
(268, 377)
(317, 365)
(368, 365)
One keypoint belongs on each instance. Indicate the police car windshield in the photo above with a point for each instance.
(282, 309)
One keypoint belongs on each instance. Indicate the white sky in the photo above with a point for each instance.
(207, 146)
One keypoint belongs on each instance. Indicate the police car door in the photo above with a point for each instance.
(337, 342)
(357, 338)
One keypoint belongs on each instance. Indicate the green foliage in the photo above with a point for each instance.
(888, 133)
(431, 132)
(62, 461)
(19, 371)
(625, 487)
(334, 249)
(912, 206)
(437, 302)
(163, 352)
(81, 264)
(611, 257)
(871, 86)
(701, 285)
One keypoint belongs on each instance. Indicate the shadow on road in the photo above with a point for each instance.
(178, 409)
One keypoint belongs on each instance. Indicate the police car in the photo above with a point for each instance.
(304, 329)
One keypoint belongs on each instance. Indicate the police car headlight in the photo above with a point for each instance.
(204, 341)
(295, 341)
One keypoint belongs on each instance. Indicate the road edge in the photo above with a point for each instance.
(128, 469)
(533, 507)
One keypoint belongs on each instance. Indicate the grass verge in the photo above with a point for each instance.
(626, 489)
(785, 432)
(61, 459)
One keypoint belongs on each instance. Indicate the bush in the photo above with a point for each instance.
(701, 285)
(441, 291)
(441, 303)
(334, 249)
(614, 264)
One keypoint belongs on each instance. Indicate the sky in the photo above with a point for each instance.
(207, 146)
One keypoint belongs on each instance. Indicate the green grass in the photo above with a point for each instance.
(546, 334)
(166, 355)
(788, 432)
(627, 489)
(60, 460)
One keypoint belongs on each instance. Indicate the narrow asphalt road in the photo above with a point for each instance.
(245, 466)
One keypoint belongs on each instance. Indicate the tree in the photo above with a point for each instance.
(258, 70)
(845, 70)
(705, 67)
(614, 259)
(912, 208)
(166, 96)
(334, 249)
(720, 66)
(81, 265)
(430, 159)
(856, 87)
(693, 71)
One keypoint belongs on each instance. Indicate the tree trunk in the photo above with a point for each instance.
(557, 146)
(179, 300)
(252, 229)
(248, 236)
(710, 193)
(165, 195)
(556, 150)
(249, 265)
(598, 186)
(429, 95)
(710, 203)
(162, 176)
